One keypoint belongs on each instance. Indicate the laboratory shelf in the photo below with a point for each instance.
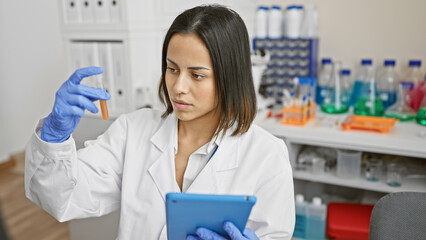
(404, 139)
(408, 185)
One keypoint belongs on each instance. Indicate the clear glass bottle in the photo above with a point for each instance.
(400, 110)
(414, 79)
(346, 83)
(387, 83)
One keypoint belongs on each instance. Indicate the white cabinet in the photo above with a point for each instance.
(125, 37)
(405, 139)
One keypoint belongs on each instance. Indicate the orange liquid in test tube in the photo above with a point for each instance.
(104, 109)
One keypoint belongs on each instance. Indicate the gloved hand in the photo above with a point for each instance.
(70, 102)
(229, 227)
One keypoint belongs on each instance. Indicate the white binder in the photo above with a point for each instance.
(89, 54)
(114, 10)
(101, 11)
(120, 93)
(75, 56)
(87, 11)
(105, 61)
(72, 11)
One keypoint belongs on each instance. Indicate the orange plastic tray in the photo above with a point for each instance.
(379, 124)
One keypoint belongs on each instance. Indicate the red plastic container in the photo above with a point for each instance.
(348, 221)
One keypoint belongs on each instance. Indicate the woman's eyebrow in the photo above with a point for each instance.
(192, 68)
(168, 59)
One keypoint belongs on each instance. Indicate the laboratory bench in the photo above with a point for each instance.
(405, 139)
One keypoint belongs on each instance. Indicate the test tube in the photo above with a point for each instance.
(102, 103)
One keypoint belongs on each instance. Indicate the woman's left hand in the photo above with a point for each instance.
(229, 227)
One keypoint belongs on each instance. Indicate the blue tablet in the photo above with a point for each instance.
(185, 212)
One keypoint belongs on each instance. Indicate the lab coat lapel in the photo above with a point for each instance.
(161, 170)
(225, 159)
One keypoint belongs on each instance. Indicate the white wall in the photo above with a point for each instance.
(352, 29)
(32, 67)
(32, 64)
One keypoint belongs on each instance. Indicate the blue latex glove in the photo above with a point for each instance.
(70, 102)
(230, 228)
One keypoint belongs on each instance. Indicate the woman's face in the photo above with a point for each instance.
(190, 79)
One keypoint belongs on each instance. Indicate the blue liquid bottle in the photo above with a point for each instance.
(300, 227)
(324, 81)
(316, 220)
(360, 81)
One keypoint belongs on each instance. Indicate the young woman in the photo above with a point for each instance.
(204, 142)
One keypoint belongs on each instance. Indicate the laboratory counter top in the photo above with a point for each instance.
(404, 139)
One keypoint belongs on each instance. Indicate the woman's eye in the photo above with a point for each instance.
(198, 76)
(172, 69)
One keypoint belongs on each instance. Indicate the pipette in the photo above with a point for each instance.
(102, 103)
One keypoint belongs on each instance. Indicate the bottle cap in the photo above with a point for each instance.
(300, 7)
(366, 61)
(316, 201)
(415, 63)
(276, 7)
(299, 198)
(345, 72)
(326, 61)
(292, 7)
(263, 8)
(389, 62)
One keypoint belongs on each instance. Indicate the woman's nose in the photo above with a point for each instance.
(181, 84)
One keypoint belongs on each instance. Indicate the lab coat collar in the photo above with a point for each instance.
(163, 168)
(161, 139)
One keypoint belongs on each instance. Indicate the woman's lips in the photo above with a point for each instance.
(181, 104)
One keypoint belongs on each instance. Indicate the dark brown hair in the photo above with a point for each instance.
(225, 36)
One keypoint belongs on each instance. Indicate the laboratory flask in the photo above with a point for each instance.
(414, 81)
(387, 83)
(400, 110)
(360, 80)
(346, 83)
(324, 80)
(421, 114)
(368, 103)
(333, 101)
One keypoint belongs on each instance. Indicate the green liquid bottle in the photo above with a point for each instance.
(421, 116)
(365, 107)
(332, 109)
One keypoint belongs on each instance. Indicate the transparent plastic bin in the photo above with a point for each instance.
(348, 163)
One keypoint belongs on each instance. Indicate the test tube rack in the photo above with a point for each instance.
(298, 115)
(289, 58)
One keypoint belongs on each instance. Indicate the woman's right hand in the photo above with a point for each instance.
(70, 102)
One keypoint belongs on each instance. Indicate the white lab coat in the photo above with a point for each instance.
(131, 166)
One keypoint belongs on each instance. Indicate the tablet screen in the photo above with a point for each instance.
(185, 212)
